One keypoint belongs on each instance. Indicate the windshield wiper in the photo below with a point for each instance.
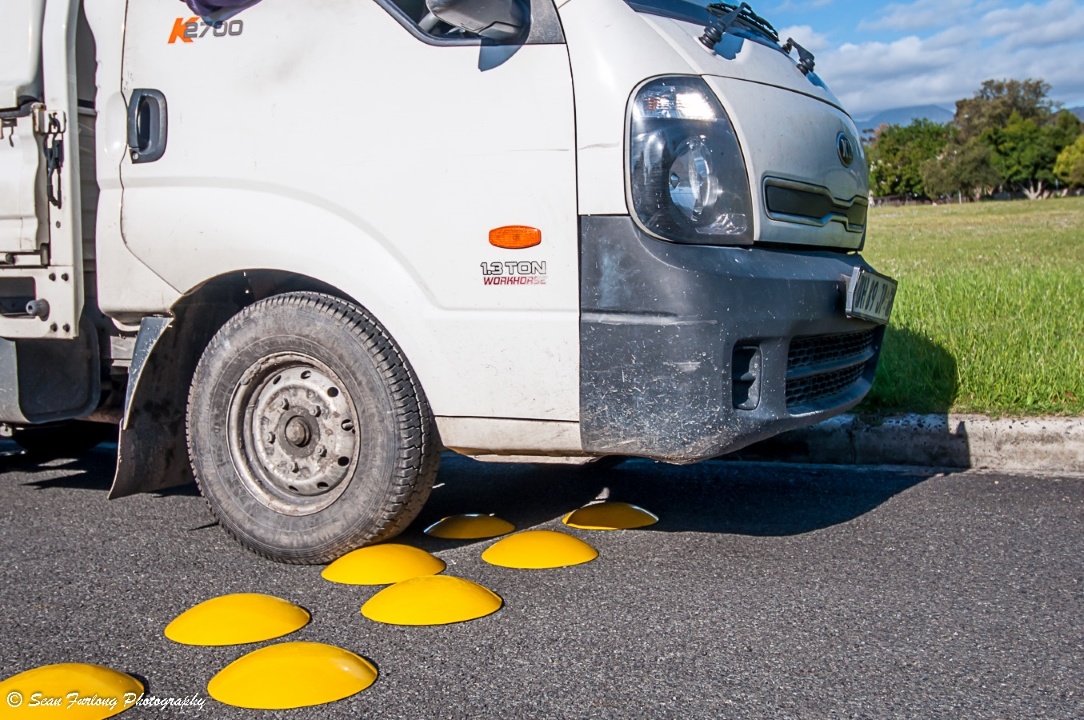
(806, 61)
(729, 15)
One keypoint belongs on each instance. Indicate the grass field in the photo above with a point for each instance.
(989, 317)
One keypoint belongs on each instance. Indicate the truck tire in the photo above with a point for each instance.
(309, 434)
(67, 439)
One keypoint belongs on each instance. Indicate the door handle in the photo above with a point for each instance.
(148, 125)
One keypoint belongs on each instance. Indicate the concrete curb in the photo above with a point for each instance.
(1046, 444)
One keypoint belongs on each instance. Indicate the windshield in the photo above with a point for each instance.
(747, 24)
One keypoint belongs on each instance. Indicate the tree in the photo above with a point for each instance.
(897, 153)
(1070, 164)
(1065, 129)
(1025, 150)
(1017, 122)
(995, 102)
(965, 168)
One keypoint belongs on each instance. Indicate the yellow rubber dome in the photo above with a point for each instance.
(236, 619)
(538, 550)
(292, 675)
(433, 600)
(610, 516)
(72, 691)
(382, 565)
(470, 527)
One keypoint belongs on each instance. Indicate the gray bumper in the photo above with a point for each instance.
(689, 352)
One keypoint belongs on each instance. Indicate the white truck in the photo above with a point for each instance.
(298, 249)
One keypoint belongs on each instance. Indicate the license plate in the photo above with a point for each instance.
(870, 296)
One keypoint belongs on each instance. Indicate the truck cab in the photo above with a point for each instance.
(297, 250)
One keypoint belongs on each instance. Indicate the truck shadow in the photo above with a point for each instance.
(91, 470)
(745, 498)
(914, 375)
(712, 497)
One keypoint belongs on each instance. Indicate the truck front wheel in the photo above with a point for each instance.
(308, 433)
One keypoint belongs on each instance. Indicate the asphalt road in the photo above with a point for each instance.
(763, 592)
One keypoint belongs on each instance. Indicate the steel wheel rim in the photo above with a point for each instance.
(293, 434)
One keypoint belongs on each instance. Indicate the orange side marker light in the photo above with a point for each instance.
(515, 237)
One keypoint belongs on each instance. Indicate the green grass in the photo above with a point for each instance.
(989, 316)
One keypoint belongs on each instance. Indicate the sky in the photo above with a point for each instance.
(879, 56)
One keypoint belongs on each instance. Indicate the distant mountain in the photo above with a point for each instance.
(905, 116)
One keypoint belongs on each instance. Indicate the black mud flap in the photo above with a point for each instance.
(152, 451)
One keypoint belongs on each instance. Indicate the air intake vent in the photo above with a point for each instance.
(822, 367)
(813, 205)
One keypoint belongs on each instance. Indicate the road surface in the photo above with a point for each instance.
(763, 592)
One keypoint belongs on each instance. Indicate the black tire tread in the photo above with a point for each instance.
(419, 450)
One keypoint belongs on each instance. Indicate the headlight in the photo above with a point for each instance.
(687, 181)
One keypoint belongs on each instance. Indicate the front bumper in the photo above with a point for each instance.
(689, 352)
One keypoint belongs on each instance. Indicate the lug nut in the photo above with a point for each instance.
(321, 451)
(316, 411)
(270, 438)
(284, 404)
(295, 467)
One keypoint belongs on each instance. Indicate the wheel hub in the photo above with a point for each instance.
(299, 434)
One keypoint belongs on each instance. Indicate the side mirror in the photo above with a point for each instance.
(492, 19)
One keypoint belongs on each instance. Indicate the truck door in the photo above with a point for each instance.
(49, 365)
(24, 223)
(41, 280)
(340, 141)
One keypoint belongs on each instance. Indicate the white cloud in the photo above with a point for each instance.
(926, 14)
(1028, 41)
(800, 6)
(806, 37)
(1058, 21)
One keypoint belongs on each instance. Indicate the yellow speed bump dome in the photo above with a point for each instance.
(433, 600)
(470, 527)
(382, 565)
(73, 691)
(236, 619)
(610, 516)
(538, 550)
(291, 675)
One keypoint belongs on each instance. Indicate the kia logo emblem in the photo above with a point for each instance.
(845, 148)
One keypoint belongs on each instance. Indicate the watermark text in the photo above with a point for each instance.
(75, 700)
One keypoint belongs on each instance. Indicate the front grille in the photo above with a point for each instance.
(813, 205)
(818, 387)
(821, 367)
(808, 351)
